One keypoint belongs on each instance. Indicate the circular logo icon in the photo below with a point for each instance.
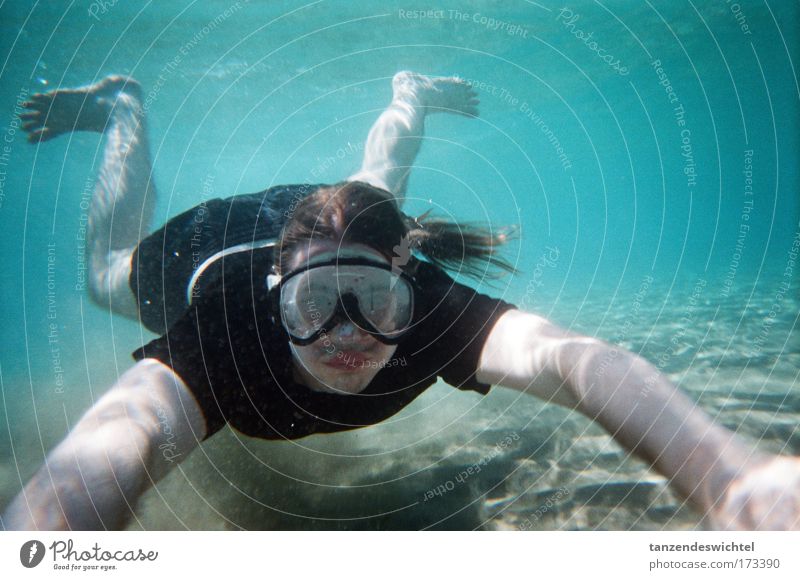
(31, 553)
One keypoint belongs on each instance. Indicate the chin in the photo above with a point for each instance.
(324, 379)
(349, 385)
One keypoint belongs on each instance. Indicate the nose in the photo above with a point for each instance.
(349, 333)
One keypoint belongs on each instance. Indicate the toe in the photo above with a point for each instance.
(36, 136)
(29, 126)
(36, 107)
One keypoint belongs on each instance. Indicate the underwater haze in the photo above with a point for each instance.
(646, 152)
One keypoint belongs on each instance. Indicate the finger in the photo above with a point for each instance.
(29, 116)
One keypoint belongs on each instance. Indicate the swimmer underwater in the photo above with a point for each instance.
(324, 308)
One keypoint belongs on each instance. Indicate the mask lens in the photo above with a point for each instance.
(307, 303)
(368, 294)
(383, 298)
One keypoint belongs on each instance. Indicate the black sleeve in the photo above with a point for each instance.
(213, 347)
(457, 322)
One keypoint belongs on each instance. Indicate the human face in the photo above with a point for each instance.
(345, 360)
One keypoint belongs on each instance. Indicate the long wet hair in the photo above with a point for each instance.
(359, 213)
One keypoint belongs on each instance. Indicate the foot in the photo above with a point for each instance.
(437, 94)
(82, 109)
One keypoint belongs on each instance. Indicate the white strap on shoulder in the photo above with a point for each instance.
(246, 247)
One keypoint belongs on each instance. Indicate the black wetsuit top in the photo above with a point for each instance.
(235, 358)
(165, 262)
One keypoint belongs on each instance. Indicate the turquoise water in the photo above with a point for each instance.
(647, 152)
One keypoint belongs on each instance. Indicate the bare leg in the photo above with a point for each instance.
(124, 195)
(395, 138)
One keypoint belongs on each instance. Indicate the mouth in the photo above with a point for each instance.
(349, 360)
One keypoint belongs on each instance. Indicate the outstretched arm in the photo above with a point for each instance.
(141, 428)
(737, 486)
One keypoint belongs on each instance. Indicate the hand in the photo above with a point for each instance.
(766, 497)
